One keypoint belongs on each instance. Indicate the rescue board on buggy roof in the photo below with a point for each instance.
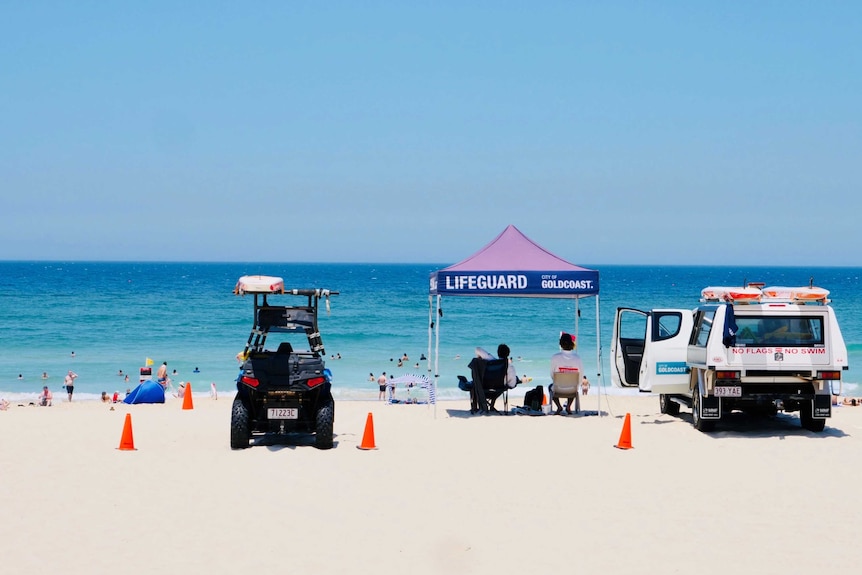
(275, 285)
(259, 284)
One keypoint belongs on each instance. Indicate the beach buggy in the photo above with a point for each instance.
(281, 389)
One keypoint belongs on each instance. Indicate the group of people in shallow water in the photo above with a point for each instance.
(385, 382)
(45, 398)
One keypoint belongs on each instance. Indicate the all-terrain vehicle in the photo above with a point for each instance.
(280, 389)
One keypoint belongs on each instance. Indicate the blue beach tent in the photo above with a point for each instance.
(147, 392)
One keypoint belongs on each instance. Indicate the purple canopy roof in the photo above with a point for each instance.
(514, 265)
(512, 250)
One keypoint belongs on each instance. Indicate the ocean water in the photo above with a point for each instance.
(114, 315)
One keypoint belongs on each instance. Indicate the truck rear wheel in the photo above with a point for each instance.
(806, 417)
(699, 423)
(325, 420)
(240, 430)
(667, 405)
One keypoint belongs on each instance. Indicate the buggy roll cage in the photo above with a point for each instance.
(288, 319)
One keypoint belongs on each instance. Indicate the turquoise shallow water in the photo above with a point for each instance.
(115, 315)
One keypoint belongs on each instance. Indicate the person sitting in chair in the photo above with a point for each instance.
(512, 380)
(565, 360)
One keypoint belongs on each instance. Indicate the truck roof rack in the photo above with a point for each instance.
(753, 293)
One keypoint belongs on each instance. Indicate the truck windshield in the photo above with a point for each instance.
(771, 331)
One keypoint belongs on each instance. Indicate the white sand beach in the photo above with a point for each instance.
(445, 493)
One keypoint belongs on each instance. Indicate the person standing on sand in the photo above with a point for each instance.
(381, 384)
(162, 374)
(69, 382)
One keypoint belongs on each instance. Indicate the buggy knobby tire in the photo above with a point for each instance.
(324, 421)
(240, 430)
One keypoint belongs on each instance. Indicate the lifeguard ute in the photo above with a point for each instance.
(753, 348)
(281, 389)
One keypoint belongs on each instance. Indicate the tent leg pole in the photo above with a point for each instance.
(430, 330)
(436, 355)
(577, 316)
(599, 356)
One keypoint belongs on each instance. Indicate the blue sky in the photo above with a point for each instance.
(609, 132)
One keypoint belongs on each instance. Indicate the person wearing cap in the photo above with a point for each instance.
(566, 359)
(46, 397)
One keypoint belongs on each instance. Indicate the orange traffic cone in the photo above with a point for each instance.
(626, 436)
(544, 399)
(127, 442)
(187, 397)
(368, 436)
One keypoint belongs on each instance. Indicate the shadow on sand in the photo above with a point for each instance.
(738, 424)
(279, 441)
(465, 414)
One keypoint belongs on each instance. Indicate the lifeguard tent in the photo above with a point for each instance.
(512, 265)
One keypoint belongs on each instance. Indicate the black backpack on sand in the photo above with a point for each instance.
(533, 398)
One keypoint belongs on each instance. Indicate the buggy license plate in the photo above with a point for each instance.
(282, 413)
(728, 391)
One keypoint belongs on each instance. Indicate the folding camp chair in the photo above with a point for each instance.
(489, 383)
(567, 386)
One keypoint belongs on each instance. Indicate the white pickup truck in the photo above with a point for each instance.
(753, 348)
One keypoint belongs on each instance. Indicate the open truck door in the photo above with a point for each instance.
(649, 349)
(627, 346)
